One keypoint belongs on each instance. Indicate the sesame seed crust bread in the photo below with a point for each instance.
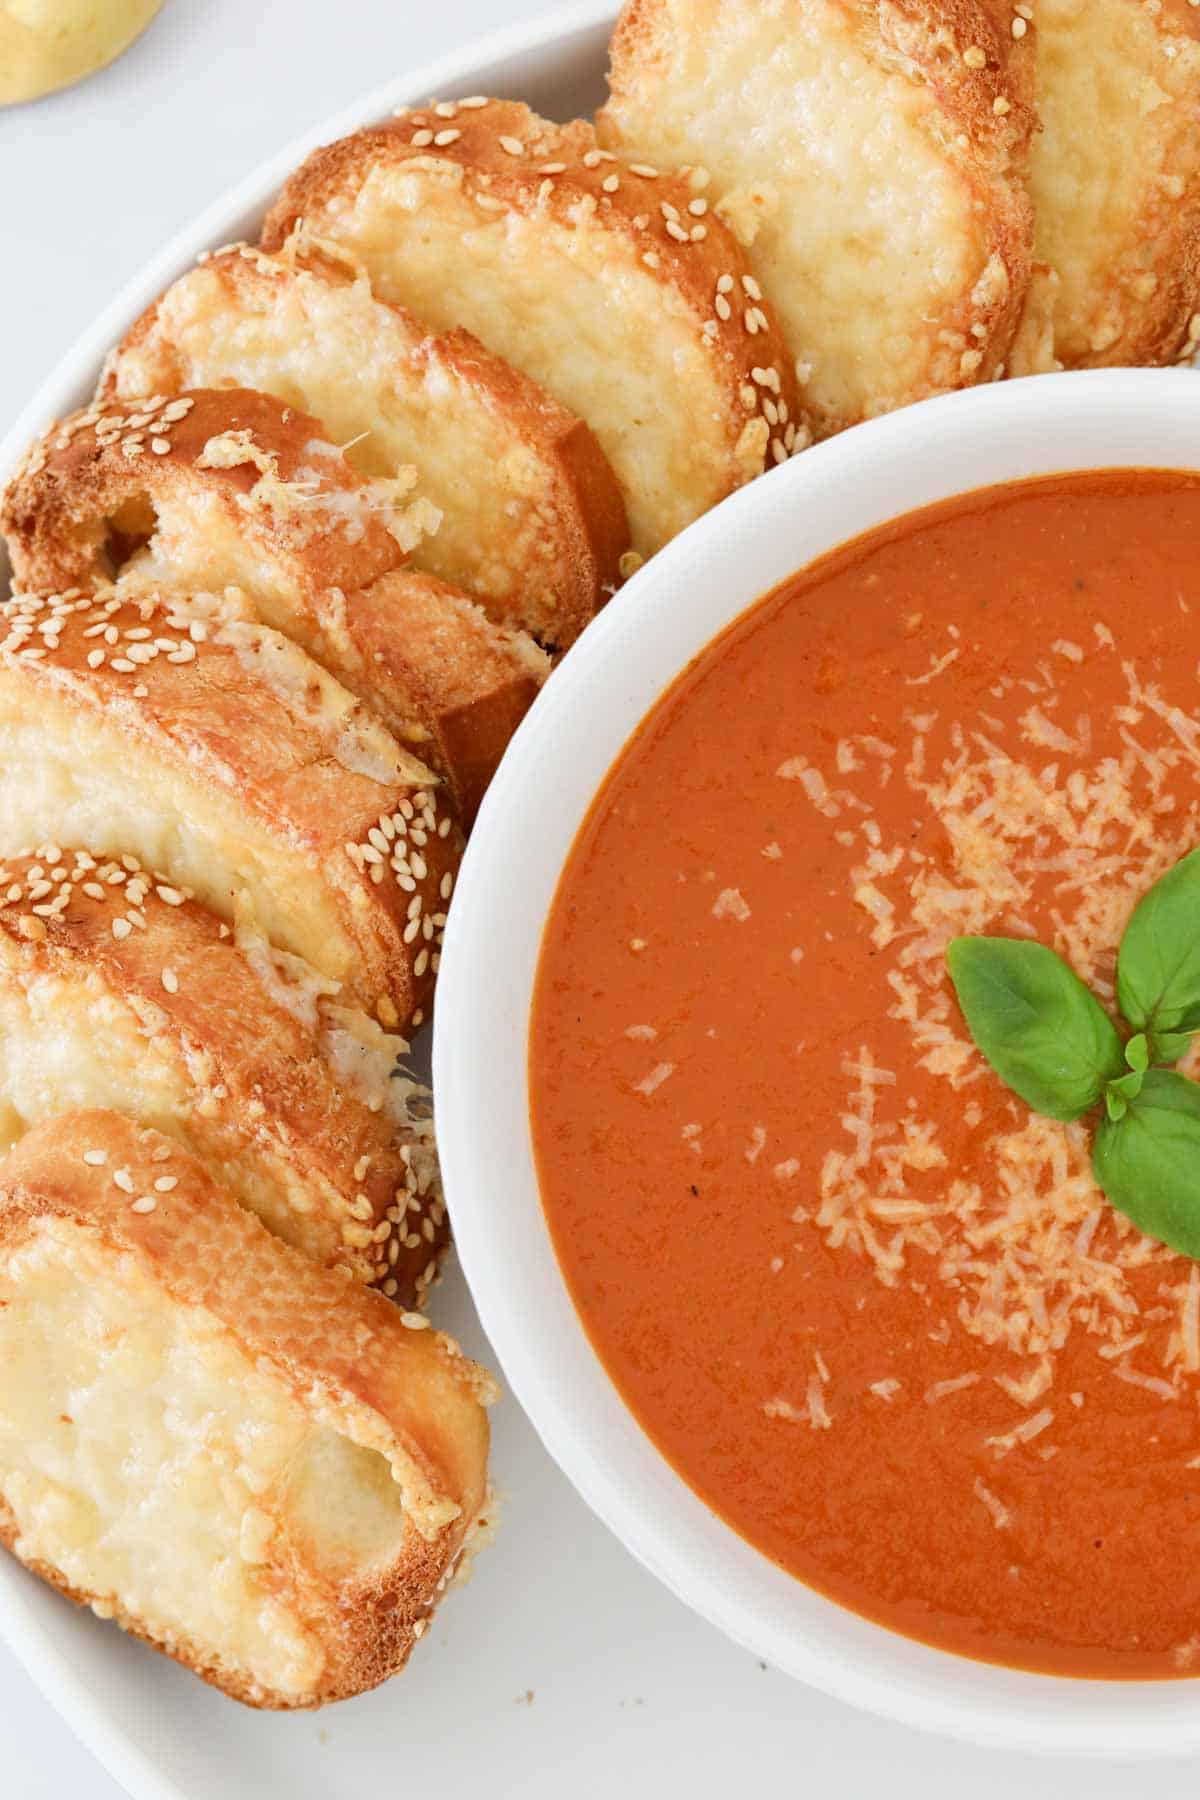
(268, 499)
(872, 156)
(218, 752)
(117, 991)
(233, 500)
(533, 524)
(1115, 176)
(611, 285)
(265, 1471)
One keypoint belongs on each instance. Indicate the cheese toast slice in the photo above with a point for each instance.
(116, 991)
(533, 524)
(871, 155)
(244, 493)
(218, 752)
(1115, 176)
(262, 1469)
(613, 285)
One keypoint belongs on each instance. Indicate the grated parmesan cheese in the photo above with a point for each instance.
(1022, 1241)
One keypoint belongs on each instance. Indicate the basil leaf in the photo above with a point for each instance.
(1041, 1029)
(1158, 967)
(1129, 1086)
(1170, 1046)
(1149, 1162)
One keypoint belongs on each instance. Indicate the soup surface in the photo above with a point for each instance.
(878, 1314)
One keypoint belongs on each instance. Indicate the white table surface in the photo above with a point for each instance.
(611, 1684)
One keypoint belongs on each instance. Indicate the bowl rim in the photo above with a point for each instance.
(626, 658)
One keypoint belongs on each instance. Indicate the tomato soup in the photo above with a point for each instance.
(878, 1314)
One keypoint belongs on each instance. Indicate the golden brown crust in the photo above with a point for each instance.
(507, 162)
(958, 75)
(441, 661)
(488, 443)
(328, 1161)
(1116, 178)
(347, 1357)
(295, 769)
(445, 680)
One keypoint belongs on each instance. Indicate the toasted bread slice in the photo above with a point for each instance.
(872, 158)
(244, 492)
(258, 1467)
(533, 524)
(220, 753)
(614, 287)
(116, 992)
(1115, 176)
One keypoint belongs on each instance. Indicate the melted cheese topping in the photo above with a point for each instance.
(72, 779)
(1117, 153)
(128, 1471)
(605, 336)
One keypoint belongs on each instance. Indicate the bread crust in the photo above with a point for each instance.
(441, 661)
(556, 526)
(953, 70)
(350, 1360)
(242, 715)
(508, 164)
(285, 1092)
(1116, 179)
(448, 683)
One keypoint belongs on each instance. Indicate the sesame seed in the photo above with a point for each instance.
(444, 138)
(645, 170)
(975, 58)
(1000, 105)
(121, 928)
(124, 1180)
(513, 146)
(146, 1204)
(97, 1158)
(170, 981)
(610, 184)
(421, 138)
(164, 1183)
(1019, 27)
(445, 109)
(160, 445)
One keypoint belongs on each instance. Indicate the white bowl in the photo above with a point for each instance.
(613, 676)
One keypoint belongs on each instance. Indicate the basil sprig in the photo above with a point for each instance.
(1050, 1040)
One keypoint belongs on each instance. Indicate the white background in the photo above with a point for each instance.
(599, 1681)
